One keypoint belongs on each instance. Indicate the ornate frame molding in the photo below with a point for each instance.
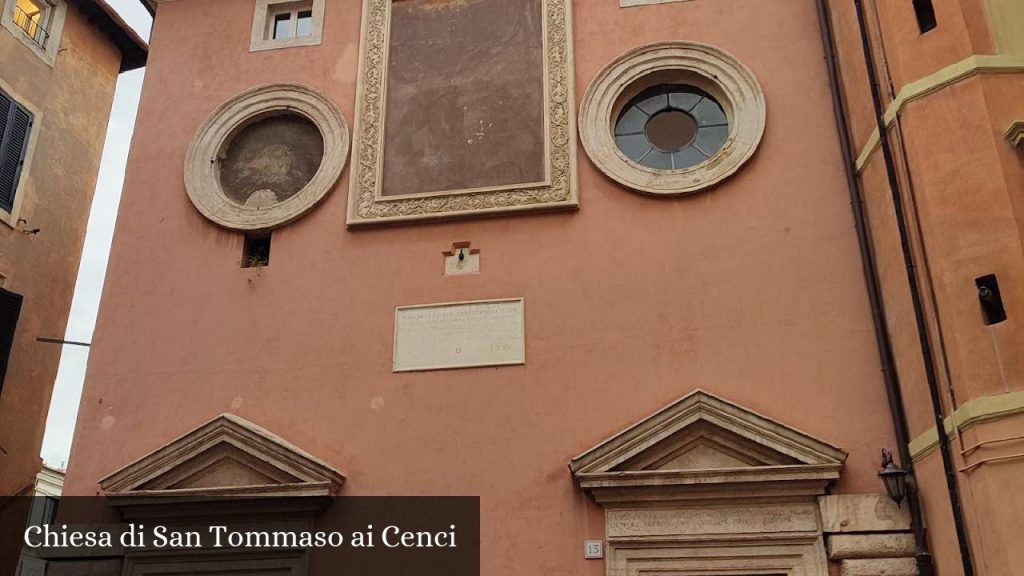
(368, 206)
(710, 68)
(202, 167)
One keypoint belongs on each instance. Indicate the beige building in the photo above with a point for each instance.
(59, 63)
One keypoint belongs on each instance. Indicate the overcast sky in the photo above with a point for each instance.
(60, 422)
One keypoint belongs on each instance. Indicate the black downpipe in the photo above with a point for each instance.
(915, 296)
(889, 375)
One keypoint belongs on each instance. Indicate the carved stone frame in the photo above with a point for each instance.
(746, 504)
(559, 190)
(707, 67)
(202, 180)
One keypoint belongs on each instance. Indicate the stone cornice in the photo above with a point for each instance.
(962, 70)
(966, 416)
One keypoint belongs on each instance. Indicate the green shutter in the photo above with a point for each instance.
(15, 126)
(10, 309)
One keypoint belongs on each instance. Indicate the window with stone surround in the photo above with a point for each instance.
(37, 24)
(287, 24)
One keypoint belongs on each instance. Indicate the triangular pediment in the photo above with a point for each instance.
(226, 456)
(703, 440)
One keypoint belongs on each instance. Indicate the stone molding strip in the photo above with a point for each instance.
(953, 74)
(969, 414)
(631, 3)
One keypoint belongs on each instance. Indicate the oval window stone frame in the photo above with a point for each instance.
(202, 166)
(701, 65)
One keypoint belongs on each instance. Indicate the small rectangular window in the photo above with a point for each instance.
(287, 24)
(43, 511)
(925, 12)
(15, 129)
(10, 309)
(50, 505)
(256, 252)
(32, 16)
(992, 309)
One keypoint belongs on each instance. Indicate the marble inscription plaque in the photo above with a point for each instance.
(712, 520)
(459, 335)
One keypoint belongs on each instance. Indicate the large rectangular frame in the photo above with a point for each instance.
(366, 204)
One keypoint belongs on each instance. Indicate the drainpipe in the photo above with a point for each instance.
(889, 376)
(915, 296)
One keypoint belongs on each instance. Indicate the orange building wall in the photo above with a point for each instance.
(962, 184)
(74, 99)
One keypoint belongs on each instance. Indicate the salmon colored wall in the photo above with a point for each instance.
(73, 98)
(753, 291)
(963, 183)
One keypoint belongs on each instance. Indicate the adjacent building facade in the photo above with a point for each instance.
(591, 260)
(59, 63)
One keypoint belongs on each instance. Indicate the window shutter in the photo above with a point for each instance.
(10, 309)
(15, 128)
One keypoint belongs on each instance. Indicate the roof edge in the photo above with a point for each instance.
(134, 50)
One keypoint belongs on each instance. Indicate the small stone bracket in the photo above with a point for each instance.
(1015, 135)
(461, 260)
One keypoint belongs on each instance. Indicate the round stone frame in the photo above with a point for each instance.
(202, 166)
(707, 67)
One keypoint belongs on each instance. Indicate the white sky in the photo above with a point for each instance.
(60, 423)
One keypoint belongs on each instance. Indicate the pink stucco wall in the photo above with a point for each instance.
(752, 291)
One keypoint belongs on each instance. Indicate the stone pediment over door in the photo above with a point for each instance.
(227, 456)
(701, 445)
(705, 486)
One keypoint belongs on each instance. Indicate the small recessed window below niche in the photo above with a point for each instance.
(256, 251)
(671, 127)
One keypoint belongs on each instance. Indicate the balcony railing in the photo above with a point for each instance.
(31, 25)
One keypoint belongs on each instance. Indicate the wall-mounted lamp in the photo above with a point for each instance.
(894, 478)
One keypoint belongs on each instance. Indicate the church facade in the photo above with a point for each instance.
(657, 280)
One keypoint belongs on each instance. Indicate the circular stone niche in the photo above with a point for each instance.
(266, 157)
(672, 118)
